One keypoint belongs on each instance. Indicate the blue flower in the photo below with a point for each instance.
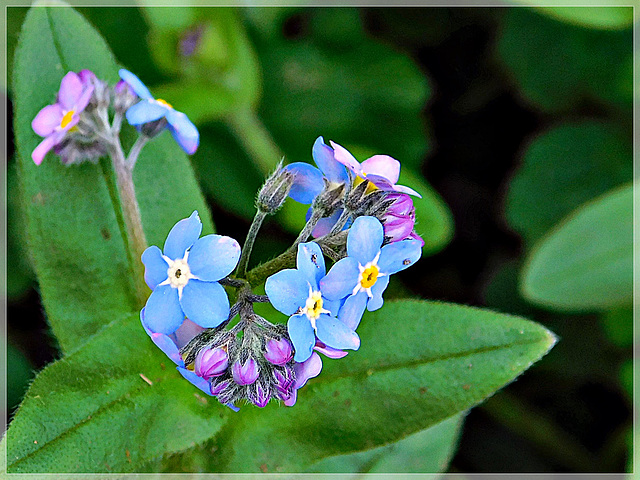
(296, 293)
(309, 181)
(184, 278)
(363, 275)
(150, 109)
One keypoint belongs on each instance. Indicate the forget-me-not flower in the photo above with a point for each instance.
(297, 293)
(54, 121)
(150, 109)
(363, 275)
(184, 278)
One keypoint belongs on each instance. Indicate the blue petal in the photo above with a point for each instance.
(164, 343)
(341, 279)
(144, 112)
(310, 263)
(182, 236)
(155, 267)
(162, 312)
(135, 83)
(287, 290)
(332, 169)
(336, 334)
(205, 303)
(352, 310)
(376, 301)
(365, 239)
(184, 131)
(213, 257)
(399, 255)
(302, 335)
(307, 183)
(332, 305)
(199, 382)
(325, 224)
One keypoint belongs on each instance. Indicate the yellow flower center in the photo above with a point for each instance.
(66, 120)
(164, 102)
(369, 276)
(370, 188)
(313, 307)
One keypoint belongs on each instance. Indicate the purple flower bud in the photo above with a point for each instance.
(218, 387)
(402, 205)
(124, 96)
(278, 352)
(245, 374)
(399, 219)
(284, 379)
(211, 362)
(259, 394)
(87, 76)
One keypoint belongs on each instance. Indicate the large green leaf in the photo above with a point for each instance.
(95, 411)
(428, 451)
(443, 360)
(563, 168)
(586, 262)
(558, 66)
(603, 17)
(77, 248)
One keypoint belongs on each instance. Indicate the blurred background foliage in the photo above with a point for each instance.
(516, 126)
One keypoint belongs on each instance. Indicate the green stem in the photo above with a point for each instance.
(132, 158)
(306, 232)
(255, 138)
(248, 243)
(136, 242)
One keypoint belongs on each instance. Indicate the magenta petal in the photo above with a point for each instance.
(70, 91)
(84, 99)
(41, 150)
(47, 120)
(328, 351)
(343, 156)
(383, 166)
(308, 369)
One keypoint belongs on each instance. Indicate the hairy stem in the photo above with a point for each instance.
(132, 158)
(248, 243)
(136, 241)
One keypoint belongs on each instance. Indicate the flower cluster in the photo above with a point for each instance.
(77, 126)
(188, 314)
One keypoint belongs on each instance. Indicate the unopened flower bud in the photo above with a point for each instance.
(259, 393)
(356, 196)
(275, 190)
(246, 373)
(330, 199)
(217, 387)
(101, 95)
(278, 352)
(123, 96)
(211, 362)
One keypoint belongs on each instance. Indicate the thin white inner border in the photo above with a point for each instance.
(313, 3)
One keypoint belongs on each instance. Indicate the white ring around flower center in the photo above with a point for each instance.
(369, 275)
(178, 273)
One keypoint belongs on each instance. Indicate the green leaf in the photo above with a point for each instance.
(563, 168)
(586, 262)
(95, 411)
(601, 17)
(78, 251)
(443, 360)
(618, 325)
(558, 66)
(428, 451)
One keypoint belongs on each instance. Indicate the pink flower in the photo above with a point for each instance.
(54, 121)
(381, 170)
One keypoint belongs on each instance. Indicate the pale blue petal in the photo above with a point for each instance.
(182, 236)
(336, 334)
(135, 83)
(213, 257)
(162, 312)
(155, 267)
(365, 239)
(310, 263)
(332, 169)
(205, 303)
(307, 183)
(184, 131)
(287, 290)
(144, 112)
(199, 382)
(325, 224)
(352, 310)
(302, 336)
(341, 279)
(164, 343)
(376, 301)
(332, 305)
(399, 255)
